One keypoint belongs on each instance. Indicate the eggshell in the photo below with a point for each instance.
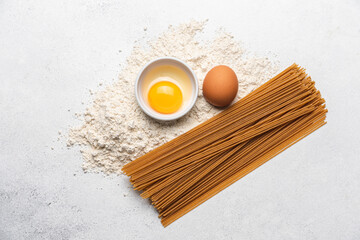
(220, 86)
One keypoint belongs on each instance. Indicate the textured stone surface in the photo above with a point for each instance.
(52, 52)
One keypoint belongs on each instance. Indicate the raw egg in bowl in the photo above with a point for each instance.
(166, 88)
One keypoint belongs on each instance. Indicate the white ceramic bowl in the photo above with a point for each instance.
(139, 88)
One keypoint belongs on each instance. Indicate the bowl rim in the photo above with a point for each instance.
(173, 116)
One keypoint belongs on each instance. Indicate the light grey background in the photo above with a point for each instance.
(53, 52)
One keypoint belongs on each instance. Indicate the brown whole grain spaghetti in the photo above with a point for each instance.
(183, 173)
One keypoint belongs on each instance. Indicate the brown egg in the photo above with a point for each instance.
(220, 86)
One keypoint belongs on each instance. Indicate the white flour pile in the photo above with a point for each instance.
(115, 130)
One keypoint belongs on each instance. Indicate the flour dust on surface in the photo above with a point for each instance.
(115, 131)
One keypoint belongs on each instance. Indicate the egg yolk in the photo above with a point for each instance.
(165, 97)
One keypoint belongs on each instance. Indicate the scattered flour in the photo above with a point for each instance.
(115, 131)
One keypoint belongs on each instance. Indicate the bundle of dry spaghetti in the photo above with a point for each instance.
(183, 173)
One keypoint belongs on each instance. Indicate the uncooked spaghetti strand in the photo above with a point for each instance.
(293, 125)
(235, 152)
(320, 125)
(259, 139)
(176, 191)
(181, 174)
(125, 168)
(299, 124)
(175, 177)
(168, 220)
(141, 183)
(285, 72)
(134, 176)
(247, 134)
(160, 197)
(175, 167)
